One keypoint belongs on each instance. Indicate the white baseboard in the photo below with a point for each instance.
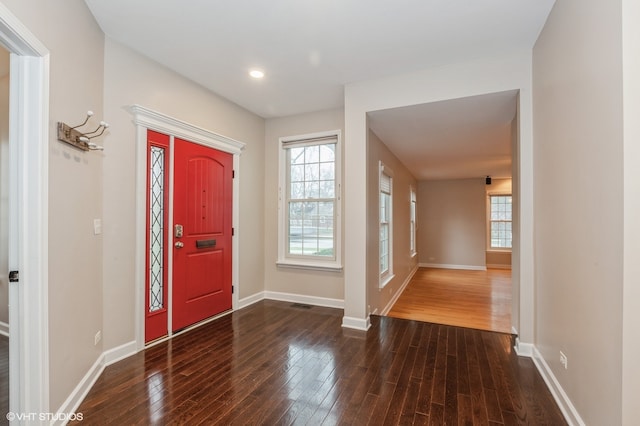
(356, 323)
(395, 297)
(4, 328)
(82, 389)
(119, 353)
(80, 392)
(524, 349)
(498, 266)
(247, 301)
(568, 410)
(449, 266)
(308, 300)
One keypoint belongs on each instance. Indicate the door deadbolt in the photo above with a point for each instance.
(178, 231)
(179, 244)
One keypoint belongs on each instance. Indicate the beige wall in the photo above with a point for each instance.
(132, 79)
(404, 263)
(578, 160)
(287, 280)
(496, 258)
(453, 227)
(75, 188)
(4, 195)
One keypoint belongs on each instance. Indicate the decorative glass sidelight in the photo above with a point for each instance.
(156, 228)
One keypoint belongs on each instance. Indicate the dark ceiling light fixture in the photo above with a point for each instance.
(487, 180)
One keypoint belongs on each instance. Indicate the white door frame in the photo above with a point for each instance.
(147, 119)
(28, 216)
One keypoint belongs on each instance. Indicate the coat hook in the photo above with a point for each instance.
(89, 115)
(81, 140)
(102, 127)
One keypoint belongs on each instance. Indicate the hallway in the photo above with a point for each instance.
(462, 298)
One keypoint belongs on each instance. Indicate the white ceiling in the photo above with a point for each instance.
(309, 49)
(454, 139)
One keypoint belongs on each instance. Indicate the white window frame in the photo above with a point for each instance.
(489, 247)
(385, 275)
(306, 261)
(413, 221)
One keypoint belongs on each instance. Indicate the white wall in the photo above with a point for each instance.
(4, 195)
(75, 188)
(453, 223)
(317, 284)
(130, 79)
(631, 290)
(578, 159)
(515, 206)
(404, 263)
(482, 76)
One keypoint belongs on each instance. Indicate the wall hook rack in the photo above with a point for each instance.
(81, 140)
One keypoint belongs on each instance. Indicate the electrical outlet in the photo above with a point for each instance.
(97, 338)
(563, 360)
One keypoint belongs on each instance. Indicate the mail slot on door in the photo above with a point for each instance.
(205, 243)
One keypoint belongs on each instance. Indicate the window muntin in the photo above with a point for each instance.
(500, 222)
(310, 198)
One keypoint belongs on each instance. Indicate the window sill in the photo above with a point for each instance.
(495, 250)
(333, 267)
(386, 280)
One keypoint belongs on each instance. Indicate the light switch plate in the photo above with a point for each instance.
(97, 226)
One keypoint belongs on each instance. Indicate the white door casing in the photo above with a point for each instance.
(28, 216)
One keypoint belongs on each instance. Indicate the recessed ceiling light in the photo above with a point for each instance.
(256, 73)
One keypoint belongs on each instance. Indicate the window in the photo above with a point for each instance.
(500, 222)
(412, 221)
(310, 201)
(386, 225)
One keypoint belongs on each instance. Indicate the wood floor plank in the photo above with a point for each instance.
(408, 411)
(478, 403)
(426, 387)
(465, 410)
(272, 363)
(440, 373)
(451, 392)
(436, 418)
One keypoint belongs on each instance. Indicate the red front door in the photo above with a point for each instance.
(202, 209)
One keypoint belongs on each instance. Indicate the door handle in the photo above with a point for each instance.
(179, 244)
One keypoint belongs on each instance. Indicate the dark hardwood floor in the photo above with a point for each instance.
(274, 363)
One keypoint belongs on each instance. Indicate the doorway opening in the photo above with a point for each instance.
(458, 153)
(4, 229)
